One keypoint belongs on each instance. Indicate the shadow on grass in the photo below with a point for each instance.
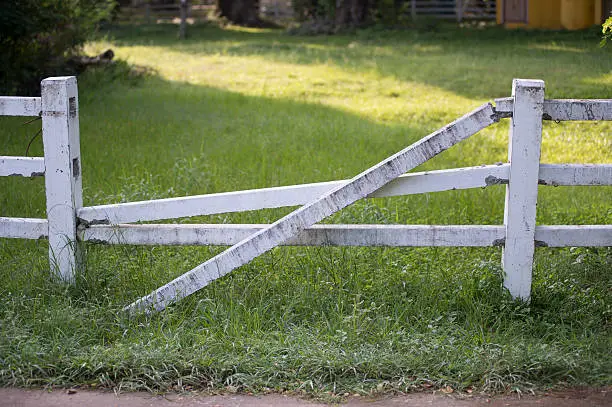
(476, 63)
(198, 139)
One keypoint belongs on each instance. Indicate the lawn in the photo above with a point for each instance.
(232, 109)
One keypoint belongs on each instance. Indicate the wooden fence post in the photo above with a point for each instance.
(459, 10)
(148, 12)
(183, 24)
(525, 139)
(60, 129)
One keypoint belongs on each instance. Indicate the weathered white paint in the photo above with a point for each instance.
(19, 106)
(237, 201)
(23, 228)
(317, 235)
(525, 139)
(577, 109)
(347, 235)
(504, 106)
(565, 109)
(62, 172)
(573, 235)
(22, 166)
(291, 225)
(444, 180)
(575, 174)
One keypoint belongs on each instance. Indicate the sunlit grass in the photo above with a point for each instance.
(236, 109)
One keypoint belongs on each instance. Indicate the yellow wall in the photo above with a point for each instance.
(599, 12)
(544, 14)
(577, 14)
(557, 14)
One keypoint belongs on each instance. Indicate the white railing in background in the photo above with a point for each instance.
(68, 222)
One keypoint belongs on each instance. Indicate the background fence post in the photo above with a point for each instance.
(183, 24)
(60, 129)
(459, 10)
(525, 139)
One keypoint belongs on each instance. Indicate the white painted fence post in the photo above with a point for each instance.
(60, 129)
(525, 139)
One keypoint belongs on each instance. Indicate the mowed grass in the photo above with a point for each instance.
(236, 109)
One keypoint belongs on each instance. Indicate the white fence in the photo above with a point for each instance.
(68, 222)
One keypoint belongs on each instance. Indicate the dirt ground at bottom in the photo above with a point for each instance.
(41, 398)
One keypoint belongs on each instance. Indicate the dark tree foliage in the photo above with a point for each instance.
(241, 12)
(37, 37)
(351, 13)
(335, 14)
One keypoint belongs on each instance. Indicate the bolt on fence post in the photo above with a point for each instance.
(525, 140)
(63, 186)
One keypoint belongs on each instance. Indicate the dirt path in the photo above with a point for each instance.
(41, 398)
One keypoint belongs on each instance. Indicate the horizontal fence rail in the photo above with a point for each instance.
(564, 109)
(24, 228)
(247, 200)
(417, 183)
(347, 235)
(22, 166)
(20, 106)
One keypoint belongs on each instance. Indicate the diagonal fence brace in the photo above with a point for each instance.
(291, 225)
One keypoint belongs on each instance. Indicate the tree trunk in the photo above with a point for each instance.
(241, 12)
(350, 13)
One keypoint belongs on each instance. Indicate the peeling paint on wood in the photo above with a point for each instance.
(492, 180)
(21, 166)
(565, 109)
(317, 235)
(20, 106)
(577, 109)
(290, 226)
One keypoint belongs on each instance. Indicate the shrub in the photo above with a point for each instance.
(606, 31)
(37, 37)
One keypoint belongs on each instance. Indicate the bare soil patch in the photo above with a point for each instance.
(25, 398)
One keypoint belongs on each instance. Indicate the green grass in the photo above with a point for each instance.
(234, 109)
